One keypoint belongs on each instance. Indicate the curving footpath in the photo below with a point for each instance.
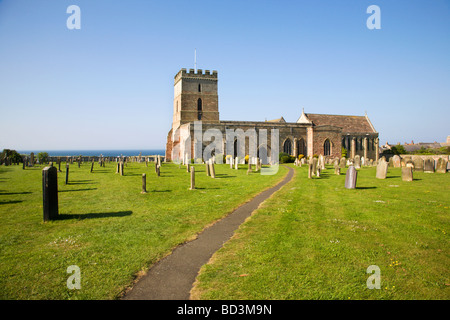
(173, 276)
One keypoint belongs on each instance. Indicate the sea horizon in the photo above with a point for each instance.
(98, 152)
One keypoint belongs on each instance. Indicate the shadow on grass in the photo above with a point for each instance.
(390, 177)
(10, 202)
(94, 215)
(225, 176)
(364, 188)
(161, 191)
(11, 193)
(87, 189)
(82, 182)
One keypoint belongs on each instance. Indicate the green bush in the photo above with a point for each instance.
(287, 159)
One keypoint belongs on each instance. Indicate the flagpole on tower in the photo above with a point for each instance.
(195, 60)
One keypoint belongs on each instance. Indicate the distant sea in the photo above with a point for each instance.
(90, 153)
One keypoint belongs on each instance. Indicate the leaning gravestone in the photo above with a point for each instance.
(350, 178)
(418, 164)
(50, 193)
(382, 169)
(441, 165)
(407, 174)
(428, 165)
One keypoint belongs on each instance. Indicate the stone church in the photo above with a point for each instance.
(196, 99)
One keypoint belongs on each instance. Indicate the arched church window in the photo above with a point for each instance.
(327, 147)
(287, 147)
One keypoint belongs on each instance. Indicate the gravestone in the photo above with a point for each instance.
(407, 174)
(418, 164)
(337, 170)
(321, 162)
(192, 178)
(391, 162)
(249, 166)
(31, 159)
(144, 183)
(117, 167)
(207, 169)
(121, 168)
(357, 162)
(236, 163)
(67, 173)
(314, 167)
(211, 169)
(396, 161)
(92, 165)
(50, 193)
(350, 178)
(188, 166)
(428, 165)
(158, 171)
(342, 163)
(24, 163)
(441, 165)
(310, 170)
(318, 171)
(382, 169)
(230, 160)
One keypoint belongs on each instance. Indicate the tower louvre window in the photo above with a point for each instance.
(199, 87)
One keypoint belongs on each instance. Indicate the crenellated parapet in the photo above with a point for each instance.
(200, 74)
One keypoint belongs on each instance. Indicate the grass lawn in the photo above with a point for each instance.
(314, 239)
(107, 228)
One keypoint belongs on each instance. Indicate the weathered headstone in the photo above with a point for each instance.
(50, 193)
(121, 168)
(337, 169)
(158, 171)
(92, 165)
(407, 173)
(350, 178)
(441, 165)
(396, 161)
(31, 159)
(382, 169)
(192, 178)
(188, 166)
(207, 169)
(418, 164)
(314, 167)
(211, 169)
(428, 165)
(236, 163)
(357, 162)
(249, 166)
(391, 162)
(310, 170)
(342, 163)
(144, 183)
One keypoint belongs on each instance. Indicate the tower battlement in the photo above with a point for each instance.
(200, 74)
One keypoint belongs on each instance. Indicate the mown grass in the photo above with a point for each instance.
(106, 226)
(314, 239)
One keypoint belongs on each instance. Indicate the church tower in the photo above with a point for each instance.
(195, 97)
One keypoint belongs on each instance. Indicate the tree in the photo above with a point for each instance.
(13, 156)
(43, 157)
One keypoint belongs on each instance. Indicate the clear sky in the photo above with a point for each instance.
(109, 85)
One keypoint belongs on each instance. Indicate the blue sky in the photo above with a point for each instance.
(109, 85)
